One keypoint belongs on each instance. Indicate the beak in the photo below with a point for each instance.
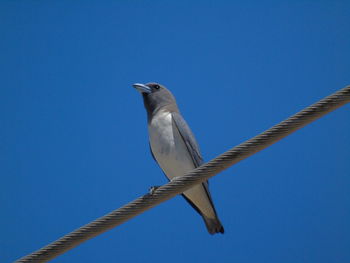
(142, 88)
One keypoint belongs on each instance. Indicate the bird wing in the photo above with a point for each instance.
(193, 149)
(188, 137)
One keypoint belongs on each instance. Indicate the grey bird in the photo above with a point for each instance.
(175, 149)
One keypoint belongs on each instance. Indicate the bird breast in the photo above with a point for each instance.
(161, 133)
(168, 147)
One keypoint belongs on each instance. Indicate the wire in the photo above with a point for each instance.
(198, 175)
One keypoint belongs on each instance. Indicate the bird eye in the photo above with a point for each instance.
(156, 86)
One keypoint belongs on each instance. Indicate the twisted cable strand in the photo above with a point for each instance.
(196, 176)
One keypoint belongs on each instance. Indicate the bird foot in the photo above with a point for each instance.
(175, 178)
(152, 189)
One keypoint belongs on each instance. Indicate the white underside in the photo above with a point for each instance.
(172, 156)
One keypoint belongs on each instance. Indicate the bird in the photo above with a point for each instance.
(175, 149)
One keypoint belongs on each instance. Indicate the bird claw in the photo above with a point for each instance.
(175, 178)
(152, 189)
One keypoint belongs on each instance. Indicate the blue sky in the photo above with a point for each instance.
(73, 137)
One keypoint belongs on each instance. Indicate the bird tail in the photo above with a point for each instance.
(213, 225)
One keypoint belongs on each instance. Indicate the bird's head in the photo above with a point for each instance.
(155, 96)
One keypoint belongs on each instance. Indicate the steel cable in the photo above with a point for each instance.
(200, 174)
